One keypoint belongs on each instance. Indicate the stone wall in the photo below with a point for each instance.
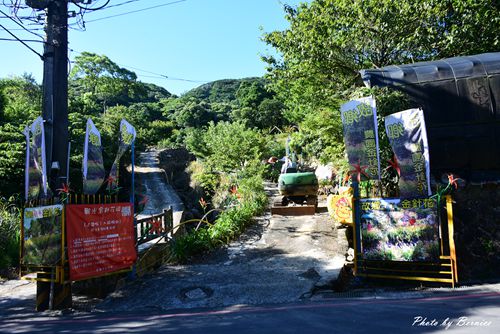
(477, 232)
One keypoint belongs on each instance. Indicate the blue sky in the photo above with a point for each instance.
(197, 40)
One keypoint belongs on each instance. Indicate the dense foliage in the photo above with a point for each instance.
(9, 233)
(329, 41)
(227, 123)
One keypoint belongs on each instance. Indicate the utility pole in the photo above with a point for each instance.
(52, 294)
(55, 92)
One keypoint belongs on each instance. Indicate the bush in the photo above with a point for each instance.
(251, 201)
(9, 234)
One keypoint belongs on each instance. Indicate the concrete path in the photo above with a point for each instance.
(277, 260)
(160, 195)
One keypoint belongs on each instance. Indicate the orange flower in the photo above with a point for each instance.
(110, 180)
(358, 169)
(144, 199)
(65, 189)
(394, 164)
(203, 203)
(453, 181)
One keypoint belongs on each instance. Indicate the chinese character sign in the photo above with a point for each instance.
(127, 138)
(359, 120)
(100, 239)
(399, 230)
(408, 139)
(93, 166)
(42, 235)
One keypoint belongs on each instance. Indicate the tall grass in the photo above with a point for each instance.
(229, 224)
(10, 216)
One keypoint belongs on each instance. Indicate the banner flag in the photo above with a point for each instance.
(127, 138)
(36, 169)
(27, 164)
(93, 166)
(359, 121)
(408, 139)
(100, 239)
(42, 231)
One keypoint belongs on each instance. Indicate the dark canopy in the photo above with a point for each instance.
(461, 101)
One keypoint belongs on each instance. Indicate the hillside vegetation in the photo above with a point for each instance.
(227, 123)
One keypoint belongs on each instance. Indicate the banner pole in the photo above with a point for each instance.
(132, 195)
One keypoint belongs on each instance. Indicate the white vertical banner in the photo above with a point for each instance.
(27, 164)
(93, 165)
(127, 137)
(36, 165)
(408, 138)
(359, 121)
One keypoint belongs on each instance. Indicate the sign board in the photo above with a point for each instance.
(399, 229)
(42, 231)
(100, 239)
(340, 208)
(359, 121)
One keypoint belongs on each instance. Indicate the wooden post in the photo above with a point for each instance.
(451, 239)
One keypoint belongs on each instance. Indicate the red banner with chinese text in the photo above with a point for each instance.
(100, 239)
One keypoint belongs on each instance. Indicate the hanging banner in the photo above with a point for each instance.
(359, 120)
(408, 139)
(399, 230)
(42, 240)
(27, 166)
(93, 166)
(36, 169)
(127, 138)
(100, 239)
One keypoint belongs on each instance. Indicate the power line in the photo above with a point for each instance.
(19, 24)
(154, 74)
(121, 4)
(160, 76)
(90, 8)
(136, 11)
(22, 42)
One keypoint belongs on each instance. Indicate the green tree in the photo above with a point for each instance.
(194, 113)
(228, 147)
(252, 93)
(329, 41)
(20, 104)
(98, 82)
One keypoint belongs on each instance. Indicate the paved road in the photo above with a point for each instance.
(470, 312)
(160, 195)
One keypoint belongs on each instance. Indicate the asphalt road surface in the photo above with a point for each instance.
(471, 312)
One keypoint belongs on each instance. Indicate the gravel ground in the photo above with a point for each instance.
(278, 259)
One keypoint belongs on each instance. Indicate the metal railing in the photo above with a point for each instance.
(153, 227)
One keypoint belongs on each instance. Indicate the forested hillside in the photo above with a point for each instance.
(101, 90)
(227, 123)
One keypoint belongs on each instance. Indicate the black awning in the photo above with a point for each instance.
(481, 65)
(461, 101)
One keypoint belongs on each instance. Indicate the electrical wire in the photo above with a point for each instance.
(22, 42)
(154, 74)
(90, 8)
(22, 26)
(136, 11)
(121, 4)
